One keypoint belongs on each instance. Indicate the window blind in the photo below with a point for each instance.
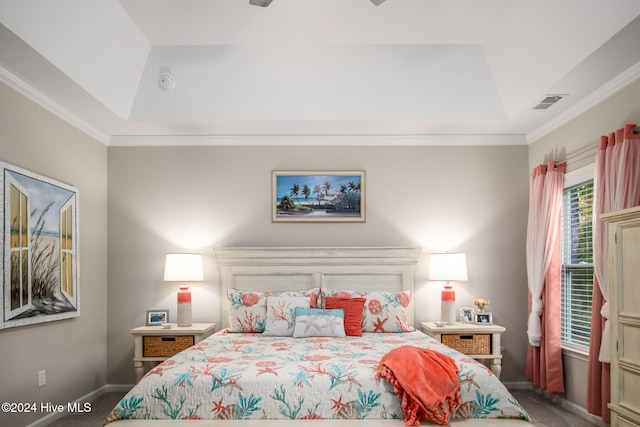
(577, 264)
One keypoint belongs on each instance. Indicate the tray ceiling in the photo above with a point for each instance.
(316, 71)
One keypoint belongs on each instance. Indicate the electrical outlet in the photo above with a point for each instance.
(42, 378)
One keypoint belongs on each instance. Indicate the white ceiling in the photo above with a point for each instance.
(299, 71)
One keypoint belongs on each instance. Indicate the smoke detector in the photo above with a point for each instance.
(167, 81)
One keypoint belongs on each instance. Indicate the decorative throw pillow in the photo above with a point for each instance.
(353, 308)
(248, 311)
(313, 294)
(316, 322)
(328, 292)
(387, 312)
(281, 314)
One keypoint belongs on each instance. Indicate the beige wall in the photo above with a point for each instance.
(471, 199)
(73, 351)
(574, 137)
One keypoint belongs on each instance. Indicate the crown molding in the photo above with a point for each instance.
(33, 94)
(613, 86)
(319, 140)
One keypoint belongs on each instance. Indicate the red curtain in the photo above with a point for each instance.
(544, 357)
(617, 186)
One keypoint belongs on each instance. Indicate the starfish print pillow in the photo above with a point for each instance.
(316, 322)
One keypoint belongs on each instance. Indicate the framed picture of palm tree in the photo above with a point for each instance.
(318, 196)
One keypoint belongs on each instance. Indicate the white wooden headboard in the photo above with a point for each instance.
(299, 268)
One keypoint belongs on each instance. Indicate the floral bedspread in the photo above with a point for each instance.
(251, 376)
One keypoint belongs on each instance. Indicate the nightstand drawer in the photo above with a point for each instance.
(468, 343)
(165, 345)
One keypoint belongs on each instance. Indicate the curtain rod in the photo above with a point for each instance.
(586, 153)
(579, 155)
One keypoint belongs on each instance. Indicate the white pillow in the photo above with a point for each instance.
(316, 322)
(281, 315)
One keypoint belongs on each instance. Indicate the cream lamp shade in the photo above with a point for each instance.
(183, 268)
(448, 267)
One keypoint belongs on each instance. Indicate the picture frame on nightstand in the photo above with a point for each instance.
(483, 318)
(466, 315)
(157, 317)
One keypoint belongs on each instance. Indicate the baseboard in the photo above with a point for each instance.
(582, 413)
(48, 419)
(119, 387)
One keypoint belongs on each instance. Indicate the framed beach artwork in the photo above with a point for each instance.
(40, 249)
(318, 196)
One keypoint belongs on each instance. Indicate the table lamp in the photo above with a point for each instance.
(183, 268)
(448, 267)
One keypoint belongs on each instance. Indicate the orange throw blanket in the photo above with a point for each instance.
(427, 382)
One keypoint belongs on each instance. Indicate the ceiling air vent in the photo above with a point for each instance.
(548, 101)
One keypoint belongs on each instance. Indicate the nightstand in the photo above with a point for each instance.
(480, 342)
(155, 343)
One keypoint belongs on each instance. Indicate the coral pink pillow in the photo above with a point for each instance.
(353, 308)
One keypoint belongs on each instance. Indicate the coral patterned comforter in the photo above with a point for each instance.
(251, 376)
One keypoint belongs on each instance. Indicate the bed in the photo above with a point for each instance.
(290, 350)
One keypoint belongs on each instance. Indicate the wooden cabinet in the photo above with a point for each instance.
(624, 299)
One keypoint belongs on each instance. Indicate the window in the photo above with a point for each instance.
(67, 237)
(19, 288)
(577, 263)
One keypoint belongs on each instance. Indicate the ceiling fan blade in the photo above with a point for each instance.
(263, 3)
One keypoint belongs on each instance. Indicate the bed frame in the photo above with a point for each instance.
(301, 268)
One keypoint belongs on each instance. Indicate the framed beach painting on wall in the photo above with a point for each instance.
(40, 248)
(318, 196)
